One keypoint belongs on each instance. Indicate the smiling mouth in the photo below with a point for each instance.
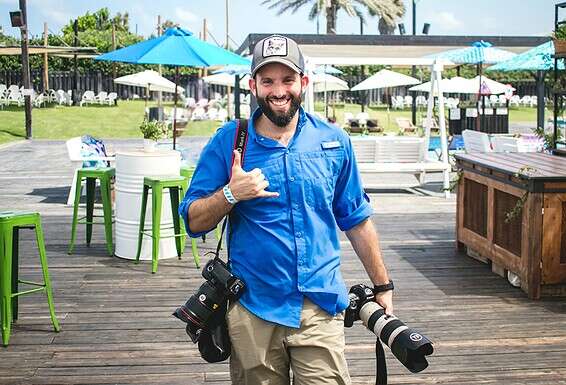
(279, 102)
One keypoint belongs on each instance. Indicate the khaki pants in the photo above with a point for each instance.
(263, 352)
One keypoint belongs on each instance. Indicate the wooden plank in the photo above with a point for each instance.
(532, 237)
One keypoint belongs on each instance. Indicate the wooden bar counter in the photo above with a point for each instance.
(532, 243)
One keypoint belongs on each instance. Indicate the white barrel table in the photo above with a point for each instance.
(131, 168)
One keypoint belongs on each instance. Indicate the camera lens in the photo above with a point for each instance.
(200, 306)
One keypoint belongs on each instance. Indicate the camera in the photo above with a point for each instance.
(407, 345)
(210, 299)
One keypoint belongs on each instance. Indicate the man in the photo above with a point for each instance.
(297, 180)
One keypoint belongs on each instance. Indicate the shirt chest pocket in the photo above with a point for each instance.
(320, 171)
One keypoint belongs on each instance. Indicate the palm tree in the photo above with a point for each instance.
(388, 10)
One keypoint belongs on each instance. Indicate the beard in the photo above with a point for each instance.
(280, 119)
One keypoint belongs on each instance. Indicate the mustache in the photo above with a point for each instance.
(285, 97)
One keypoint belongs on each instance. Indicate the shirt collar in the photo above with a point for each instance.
(256, 114)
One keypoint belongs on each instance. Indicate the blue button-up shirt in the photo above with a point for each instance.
(287, 247)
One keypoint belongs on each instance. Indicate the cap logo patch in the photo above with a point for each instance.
(275, 46)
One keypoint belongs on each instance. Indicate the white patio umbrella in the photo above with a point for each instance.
(224, 79)
(385, 79)
(149, 79)
(490, 86)
(457, 85)
(324, 82)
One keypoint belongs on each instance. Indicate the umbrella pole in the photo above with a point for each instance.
(175, 107)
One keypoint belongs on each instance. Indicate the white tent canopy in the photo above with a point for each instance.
(325, 82)
(384, 79)
(224, 79)
(149, 79)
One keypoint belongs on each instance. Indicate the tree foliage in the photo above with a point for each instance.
(387, 10)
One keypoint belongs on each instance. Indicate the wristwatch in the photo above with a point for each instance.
(381, 288)
(228, 195)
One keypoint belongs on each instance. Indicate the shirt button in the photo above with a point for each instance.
(292, 178)
(287, 151)
(298, 234)
(296, 205)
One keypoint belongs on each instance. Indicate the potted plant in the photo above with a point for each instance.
(559, 38)
(152, 131)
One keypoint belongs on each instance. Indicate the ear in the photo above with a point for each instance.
(252, 84)
(305, 81)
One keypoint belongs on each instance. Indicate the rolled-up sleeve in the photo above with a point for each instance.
(210, 175)
(351, 204)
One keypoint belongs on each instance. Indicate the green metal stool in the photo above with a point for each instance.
(10, 223)
(104, 175)
(187, 172)
(175, 184)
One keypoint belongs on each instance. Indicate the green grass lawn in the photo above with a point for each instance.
(63, 122)
(122, 121)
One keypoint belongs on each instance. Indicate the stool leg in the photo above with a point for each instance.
(15, 267)
(75, 213)
(6, 284)
(46, 280)
(194, 249)
(90, 190)
(174, 195)
(142, 222)
(156, 202)
(107, 208)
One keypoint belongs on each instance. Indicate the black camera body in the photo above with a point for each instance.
(407, 345)
(210, 299)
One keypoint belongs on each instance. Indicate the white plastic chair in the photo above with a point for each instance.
(74, 146)
(101, 97)
(111, 98)
(515, 101)
(362, 118)
(88, 97)
(408, 100)
(475, 141)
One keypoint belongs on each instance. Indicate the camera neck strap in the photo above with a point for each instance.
(240, 142)
(381, 364)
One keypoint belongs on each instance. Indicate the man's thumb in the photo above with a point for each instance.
(237, 159)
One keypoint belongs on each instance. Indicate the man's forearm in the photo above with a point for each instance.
(365, 241)
(205, 213)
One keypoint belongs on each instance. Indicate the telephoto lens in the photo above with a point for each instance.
(407, 345)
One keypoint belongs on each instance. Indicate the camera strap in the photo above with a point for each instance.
(240, 142)
(381, 364)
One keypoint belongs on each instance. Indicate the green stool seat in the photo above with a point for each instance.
(177, 185)
(188, 172)
(10, 223)
(104, 176)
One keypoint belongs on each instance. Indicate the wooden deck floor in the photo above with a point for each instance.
(116, 317)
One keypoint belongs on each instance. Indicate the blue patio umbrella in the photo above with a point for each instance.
(479, 53)
(176, 47)
(538, 60)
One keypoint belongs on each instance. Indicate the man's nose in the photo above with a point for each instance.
(279, 90)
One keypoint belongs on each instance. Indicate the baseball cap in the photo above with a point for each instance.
(278, 49)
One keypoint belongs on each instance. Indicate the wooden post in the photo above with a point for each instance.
(113, 49)
(45, 60)
(159, 93)
(227, 36)
(75, 64)
(25, 68)
(204, 70)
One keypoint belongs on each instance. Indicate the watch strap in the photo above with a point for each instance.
(385, 287)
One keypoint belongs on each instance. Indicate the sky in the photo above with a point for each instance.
(447, 17)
